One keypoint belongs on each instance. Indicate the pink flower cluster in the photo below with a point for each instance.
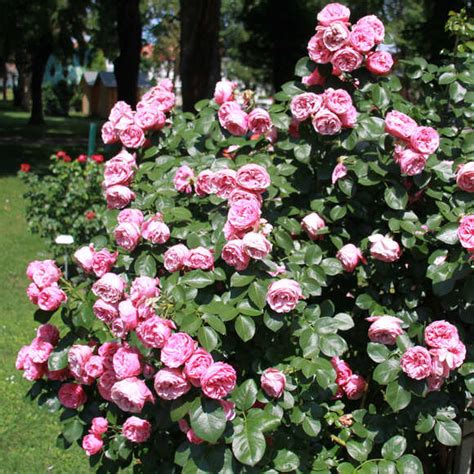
(445, 353)
(178, 257)
(118, 175)
(93, 261)
(132, 226)
(329, 112)
(92, 443)
(44, 290)
(348, 46)
(33, 358)
(349, 384)
(466, 233)
(129, 127)
(415, 143)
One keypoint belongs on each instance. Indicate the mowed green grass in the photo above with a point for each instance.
(27, 433)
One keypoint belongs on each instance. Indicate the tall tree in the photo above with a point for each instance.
(200, 59)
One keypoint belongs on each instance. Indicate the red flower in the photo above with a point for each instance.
(82, 158)
(25, 167)
(90, 215)
(67, 159)
(98, 158)
(61, 154)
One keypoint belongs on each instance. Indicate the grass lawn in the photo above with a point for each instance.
(27, 433)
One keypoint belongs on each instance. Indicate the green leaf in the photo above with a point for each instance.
(303, 67)
(208, 420)
(424, 423)
(302, 152)
(448, 432)
(447, 78)
(72, 430)
(257, 293)
(448, 233)
(409, 464)
(333, 345)
(248, 444)
(387, 467)
(286, 461)
(245, 327)
(216, 323)
(237, 280)
(208, 338)
(377, 352)
(198, 279)
(396, 197)
(457, 92)
(397, 397)
(394, 448)
(311, 427)
(343, 321)
(58, 359)
(245, 395)
(145, 265)
(331, 266)
(359, 450)
(387, 371)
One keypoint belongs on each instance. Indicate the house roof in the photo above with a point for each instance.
(90, 77)
(108, 79)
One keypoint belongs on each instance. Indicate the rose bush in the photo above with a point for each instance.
(260, 312)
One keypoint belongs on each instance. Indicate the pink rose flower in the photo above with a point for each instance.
(465, 177)
(253, 177)
(131, 394)
(148, 118)
(218, 380)
(196, 365)
(466, 232)
(49, 333)
(33, 371)
(305, 105)
(273, 382)
(99, 426)
(441, 334)
(39, 350)
(50, 298)
(126, 157)
(144, 288)
(72, 395)
(92, 444)
(224, 91)
(244, 215)
(379, 62)
(283, 295)
(127, 363)
(362, 37)
(109, 134)
(107, 351)
(132, 136)
(117, 171)
(33, 292)
(236, 121)
(205, 183)
(399, 125)
(259, 121)
(375, 24)
(160, 97)
(136, 429)
(326, 123)
(339, 172)
(279, 270)
(177, 350)
(314, 79)
(234, 255)
(425, 140)
(349, 119)
(311, 224)
(155, 331)
(337, 100)
(103, 261)
(110, 288)
(155, 230)
(43, 273)
(94, 367)
(411, 163)
(171, 384)
(183, 179)
(434, 383)
(105, 384)
(343, 371)
(84, 257)
(119, 110)
(77, 357)
(333, 12)
(224, 181)
(385, 329)
(104, 311)
(118, 196)
(416, 363)
(175, 257)
(350, 256)
(446, 359)
(256, 245)
(347, 59)
(200, 258)
(131, 216)
(317, 50)
(238, 193)
(127, 235)
(355, 387)
(225, 110)
(384, 249)
(335, 36)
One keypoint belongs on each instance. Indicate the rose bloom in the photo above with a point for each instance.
(385, 329)
(379, 62)
(326, 123)
(82, 158)
(155, 230)
(399, 125)
(155, 331)
(132, 136)
(148, 118)
(317, 50)
(109, 134)
(118, 196)
(85, 257)
(238, 193)
(110, 288)
(131, 216)
(347, 59)
(314, 79)
(160, 97)
(441, 334)
(311, 224)
(103, 261)
(39, 350)
(33, 292)
(196, 365)
(224, 91)
(43, 272)
(92, 444)
(425, 140)
(446, 359)
(225, 109)
(259, 121)
(224, 181)
(375, 24)
(116, 172)
(362, 37)
(50, 298)
(337, 100)
(253, 177)
(49, 333)
(333, 12)
(175, 257)
(350, 256)
(127, 362)
(218, 380)
(244, 214)
(416, 363)
(204, 183)
(177, 350)
(78, 356)
(465, 177)
(32, 370)
(105, 384)
(127, 236)
(200, 258)
(273, 382)
(131, 394)
(283, 295)
(236, 121)
(434, 383)
(107, 351)
(136, 430)
(94, 367)
(144, 288)
(72, 395)
(256, 245)
(411, 163)
(171, 384)
(99, 426)
(355, 387)
(384, 249)
(349, 119)
(234, 255)
(104, 311)
(335, 35)
(466, 232)
(128, 313)
(305, 105)
(119, 109)
(183, 179)
(343, 371)
(339, 172)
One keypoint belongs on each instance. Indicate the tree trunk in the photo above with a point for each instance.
(21, 92)
(200, 61)
(126, 65)
(40, 58)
